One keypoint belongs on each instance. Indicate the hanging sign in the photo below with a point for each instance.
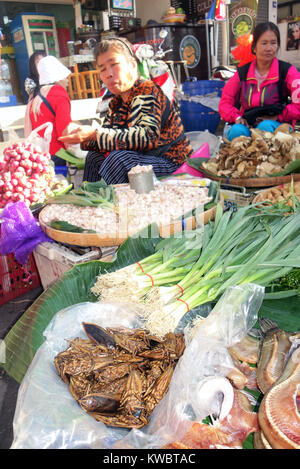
(242, 20)
(190, 51)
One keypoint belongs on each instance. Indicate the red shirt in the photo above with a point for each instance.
(60, 102)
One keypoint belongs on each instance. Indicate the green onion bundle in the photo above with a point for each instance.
(249, 247)
(169, 264)
(252, 245)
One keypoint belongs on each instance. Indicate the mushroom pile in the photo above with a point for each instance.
(259, 155)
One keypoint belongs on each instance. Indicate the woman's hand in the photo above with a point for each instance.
(241, 120)
(80, 134)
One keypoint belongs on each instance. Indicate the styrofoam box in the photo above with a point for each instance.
(53, 260)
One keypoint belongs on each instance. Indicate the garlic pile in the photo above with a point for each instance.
(134, 211)
(140, 169)
(260, 155)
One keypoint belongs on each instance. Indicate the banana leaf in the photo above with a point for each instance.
(26, 336)
(293, 167)
(69, 227)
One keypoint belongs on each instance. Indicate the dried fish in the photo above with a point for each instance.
(260, 441)
(246, 350)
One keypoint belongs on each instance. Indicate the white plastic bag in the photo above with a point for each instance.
(75, 150)
(43, 143)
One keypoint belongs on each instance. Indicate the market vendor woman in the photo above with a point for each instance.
(141, 126)
(263, 93)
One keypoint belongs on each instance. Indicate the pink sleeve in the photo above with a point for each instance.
(292, 111)
(227, 109)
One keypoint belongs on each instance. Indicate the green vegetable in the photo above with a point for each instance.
(291, 280)
(64, 190)
(65, 226)
(286, 286)
(90, 194)
(293, 167)
(252, 245)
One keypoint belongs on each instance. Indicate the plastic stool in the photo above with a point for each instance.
(61, 170)
(202, 152)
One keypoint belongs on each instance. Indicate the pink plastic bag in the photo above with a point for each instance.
(202, 152)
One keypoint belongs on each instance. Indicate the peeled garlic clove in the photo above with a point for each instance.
(214, 396)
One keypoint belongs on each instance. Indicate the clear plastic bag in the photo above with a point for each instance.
(55, 420)
(75, 150)
(47, 416)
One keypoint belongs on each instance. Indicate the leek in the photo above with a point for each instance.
(249, 246)
(269, 250)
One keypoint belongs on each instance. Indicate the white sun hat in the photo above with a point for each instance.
(51, 70)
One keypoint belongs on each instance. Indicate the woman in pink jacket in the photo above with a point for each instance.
(263, 93)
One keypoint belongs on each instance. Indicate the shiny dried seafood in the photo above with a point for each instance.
(119, 375)
(275, 346)
(278, 415)
(246, 350)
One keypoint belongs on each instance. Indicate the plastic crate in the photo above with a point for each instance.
(15, 279)
(53, 260)
(201, 87)
(8, 101)
(195, 116)
(62, 170)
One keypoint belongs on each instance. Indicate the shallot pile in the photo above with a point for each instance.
(25, 174)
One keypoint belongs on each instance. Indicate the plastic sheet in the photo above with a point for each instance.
(55, 420)
(20, 232)
(198, 138)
